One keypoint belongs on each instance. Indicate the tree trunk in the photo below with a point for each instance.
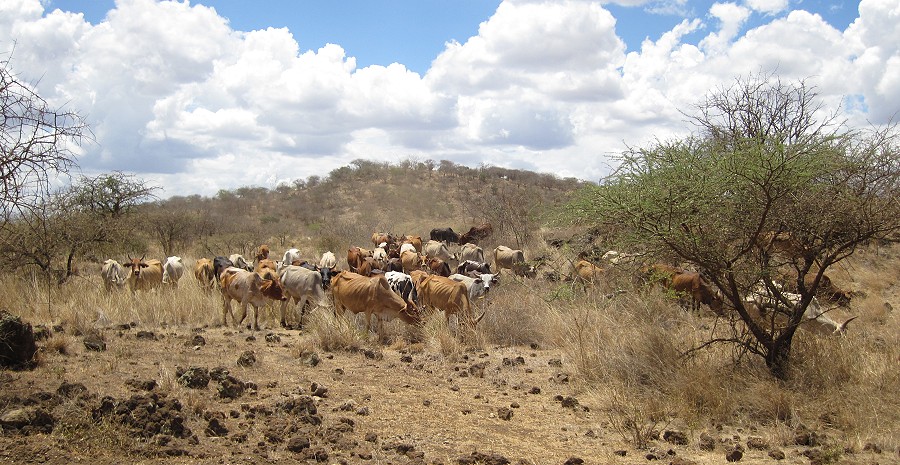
(778, 356)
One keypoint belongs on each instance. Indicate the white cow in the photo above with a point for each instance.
(472, 252)
(301, 285)
(477, 286)
(401, 283)
(437, 249)
(173, 269)
(407, 246)
(328, 260)
(239, 261)
(815, 318)
(514, 260)
(113, 275)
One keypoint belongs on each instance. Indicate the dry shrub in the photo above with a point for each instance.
(333, 334)
(438, 336)
(59, 343)
(637, 416)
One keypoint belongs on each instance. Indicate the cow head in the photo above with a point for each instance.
(135, 265)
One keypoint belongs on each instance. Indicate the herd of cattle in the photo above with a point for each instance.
(402, 277)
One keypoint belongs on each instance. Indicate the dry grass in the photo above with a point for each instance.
(625, 349)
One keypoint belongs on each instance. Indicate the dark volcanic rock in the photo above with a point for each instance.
(27, 420)
(675, 437)
(194, 378)
(247, 359)
(17, 346)
(482, 458)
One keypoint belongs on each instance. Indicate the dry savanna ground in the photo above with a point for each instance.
(555, 374)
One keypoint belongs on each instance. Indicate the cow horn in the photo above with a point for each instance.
(843, 327)
(477, 320)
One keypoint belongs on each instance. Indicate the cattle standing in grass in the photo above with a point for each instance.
(506, 258)
(205, 274)
(445, 235)
(113, 275)
(476, 233)
(356, 256)
(815, 318)
(477, 285)
(240, 262)
(470, 266)
(437, 249)
(471, 252)
(290, 256)
(588, 273)
(372, 296)
(438, 267)
(827, 290)
(401, 283)
(265, 264)
(692, 283)
(173, 269)
(411, 261)
(380, 237)
(220, 264)
(248, 288)
(143, 276)
(416, 241)
(301, 285)
(442, 293)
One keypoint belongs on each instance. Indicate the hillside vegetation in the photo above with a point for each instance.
(557, 369)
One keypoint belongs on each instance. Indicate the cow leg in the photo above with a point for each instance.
(284, 304)
(243, 314)
(255, 318)
(301, 305)
(226, 310)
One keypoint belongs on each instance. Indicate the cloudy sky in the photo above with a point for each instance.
(206, 95)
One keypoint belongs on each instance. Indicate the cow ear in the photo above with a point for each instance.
(478, 280)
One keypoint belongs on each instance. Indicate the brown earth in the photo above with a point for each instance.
(260, 399)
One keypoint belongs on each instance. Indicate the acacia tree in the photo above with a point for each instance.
(764, 169)
(36, 141)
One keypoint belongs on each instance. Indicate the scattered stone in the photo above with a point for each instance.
(362, 411)
(146, 385)
(94, 341)
(513, 361)
(776, 454)
(621, 452)
(561, 378)
(757, 443)
(371, 437)
(218, 373)
(406, 358)
(27, 420)
(477, 370)
(230, 388)
(41, 332)
(17, 346)
(297, 444)
(481, 458)
(71, 390)
(707, 442)
(318, 390)
(554, 362)
(682, 461)
(215, 428)
(194, 378)
(534, 390)
(504, 413)
(735, 453)
(675, 437)
(310, 359)
(273, 338)
(149, 335)
(247, 359)
(872, 447)
(373, 354)
(574, 461)
(250, 338)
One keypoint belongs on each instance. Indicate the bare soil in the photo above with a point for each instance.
(265, 401)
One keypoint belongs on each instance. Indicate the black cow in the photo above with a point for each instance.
(326, 273)
(444, 235)
(468, 266)
(219, 264)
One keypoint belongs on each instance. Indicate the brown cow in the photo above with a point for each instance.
(438, 267)
(411, 261)
(356, 256)
(827, 290)
(416, 241)
(379, 238)
(476, 233)
(369, 267)
(142, 275)
(248, 288)
(262, 252)
(206, 277)
(373, 296)
(588, 273)
(265, 264)
(692, 283)
(442, 293)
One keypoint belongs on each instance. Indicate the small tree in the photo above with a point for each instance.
(36, 141)
(764, 170)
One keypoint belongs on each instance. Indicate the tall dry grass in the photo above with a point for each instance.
(623, 344)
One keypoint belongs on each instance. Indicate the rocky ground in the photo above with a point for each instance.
(216, 395)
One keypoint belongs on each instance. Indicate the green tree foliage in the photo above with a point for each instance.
(766, 188)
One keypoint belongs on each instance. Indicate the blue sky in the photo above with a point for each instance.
(203, 96)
